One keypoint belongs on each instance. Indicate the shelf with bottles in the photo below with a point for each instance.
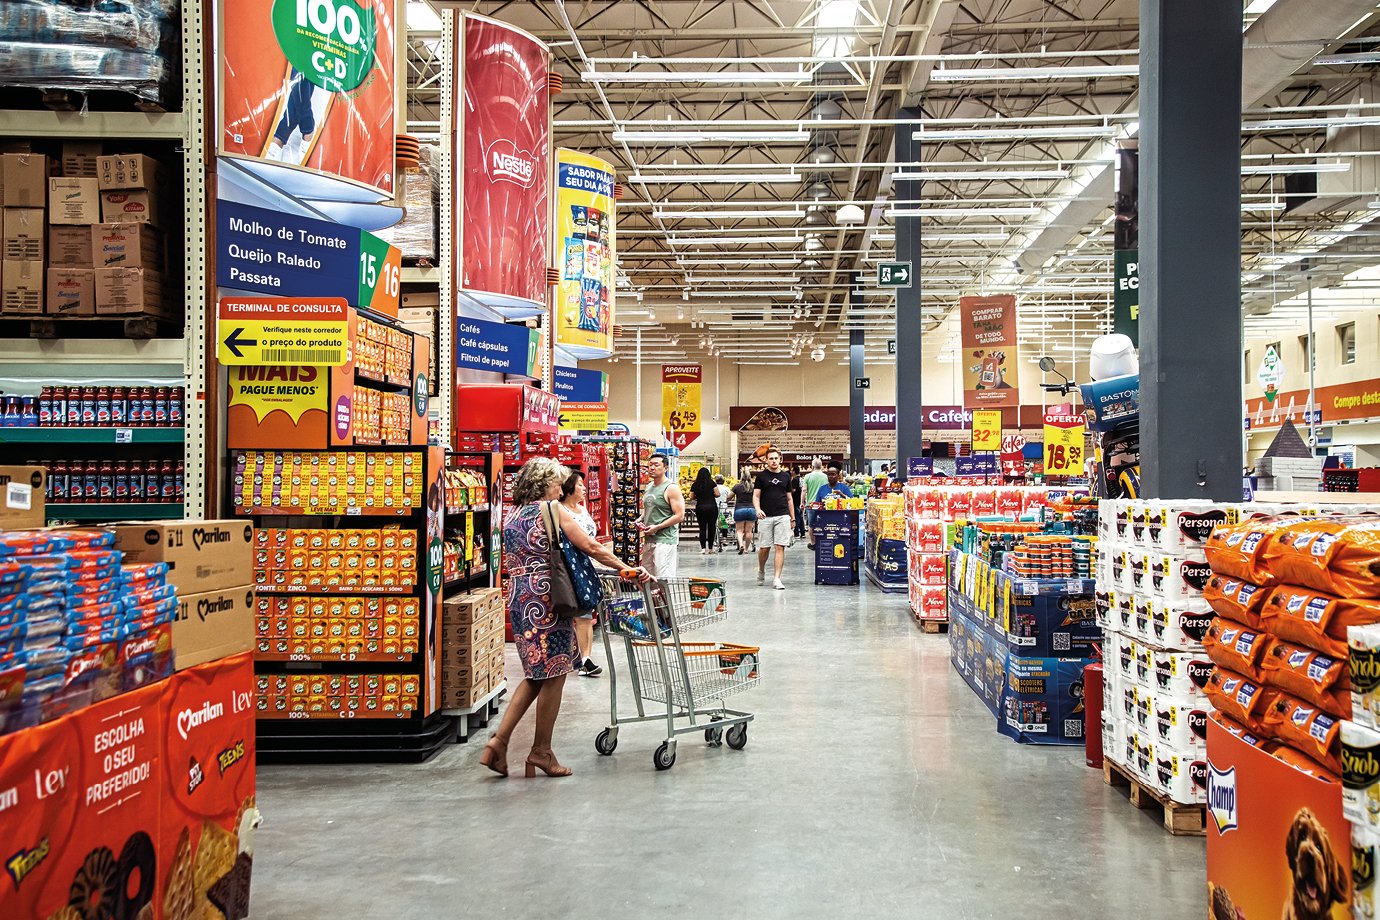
(593, 461)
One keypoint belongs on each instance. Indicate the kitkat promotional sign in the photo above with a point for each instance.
(311, 85)
(680, 403)
(502, 157)
(990, 358)
(585, 253)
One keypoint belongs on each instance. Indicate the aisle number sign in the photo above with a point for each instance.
(282, 330)
(1064, 444)
(986, 430)
(680, 403)
(584, 416)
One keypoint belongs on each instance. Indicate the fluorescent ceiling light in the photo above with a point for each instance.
(1309, 124)
(741, 279)
(1257, 7)
(760, 260)
(697, 76)
(717, 178)
(621, 135)
(1012, 134)
(1284, 169)
(964, 237)
(1262, 206)
(725, 215)
(730, 240)
(964, 212)
(1002, 74)
(936, 175)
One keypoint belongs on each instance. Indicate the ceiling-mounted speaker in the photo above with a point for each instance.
(554, 83)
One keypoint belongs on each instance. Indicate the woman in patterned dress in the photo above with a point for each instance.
(545, 641)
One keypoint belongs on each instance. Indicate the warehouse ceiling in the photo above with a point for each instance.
(756, 141)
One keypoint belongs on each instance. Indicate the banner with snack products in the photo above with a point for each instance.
(680, 403)
(585, 252)
(312, 85)
(502, 162)
(991, 358)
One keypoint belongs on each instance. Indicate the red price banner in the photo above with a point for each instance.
(1064, 438)
(986, 430)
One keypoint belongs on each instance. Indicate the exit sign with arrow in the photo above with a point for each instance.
(893, 274)
(281, 330)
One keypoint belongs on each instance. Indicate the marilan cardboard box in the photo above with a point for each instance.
(24, 230)
(71, 292)
(73, 201)
(134, 245)
(135, 206)
(202, 555)
(69, 247)
(21, 502)
(212, 624)
(25, 179)
(21, 288)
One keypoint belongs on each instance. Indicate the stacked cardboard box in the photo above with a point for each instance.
(472, 647)
(84, 242)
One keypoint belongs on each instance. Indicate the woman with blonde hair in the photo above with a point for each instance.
(545, 640)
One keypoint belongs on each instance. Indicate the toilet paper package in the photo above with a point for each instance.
(1180, 626)
(1121, 651)
(1136, 515)
(1185, 525)
(1363, 666)
(1143, 614)
(1365, 893)
(1179, 725)
(1180, 775)
(1180, 676)
(1178, 579)
(1360, 757)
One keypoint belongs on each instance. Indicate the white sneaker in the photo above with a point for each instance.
(778, 585)
(761, 578)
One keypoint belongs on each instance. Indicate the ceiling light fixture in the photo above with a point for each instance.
(724, 215)
(1036, 132)
(1022, 74)
(624, 136)
(981, 175)
(850, 214)
(964, 212)
(717, 179)
(697, 76)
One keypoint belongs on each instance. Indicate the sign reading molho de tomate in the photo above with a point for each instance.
(584, 251)
(680, 403)
(310, 84)
(990, 357)
(502, 157)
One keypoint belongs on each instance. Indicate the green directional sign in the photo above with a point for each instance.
(893, 274)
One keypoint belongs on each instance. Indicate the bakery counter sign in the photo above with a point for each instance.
(681, 403)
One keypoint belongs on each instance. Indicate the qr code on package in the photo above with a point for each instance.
(1061, 642)
(1073, 728)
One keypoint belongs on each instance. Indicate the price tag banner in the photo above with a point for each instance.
(1064, 436)
(680, 403)
(986, 430)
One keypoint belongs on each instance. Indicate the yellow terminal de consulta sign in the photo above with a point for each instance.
(585, 252)
(283, 330)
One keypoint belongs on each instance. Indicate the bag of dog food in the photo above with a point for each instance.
(1240, 731)
(1236, 599)
(1303, 763)
(1236, 648)
(1305, 727)
(1238, 550)
(1339, 555)
(1315, 619)
(1311, 676)
(1242, 700)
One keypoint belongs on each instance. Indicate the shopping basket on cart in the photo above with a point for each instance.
(691, 679)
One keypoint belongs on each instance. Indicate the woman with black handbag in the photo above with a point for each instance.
(538, 539)
(573, 494)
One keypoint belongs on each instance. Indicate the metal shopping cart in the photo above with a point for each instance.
(690, 678)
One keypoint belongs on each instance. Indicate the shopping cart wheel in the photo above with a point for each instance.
(737, 736)
(665, 756)
(606, 742)
(712, 735)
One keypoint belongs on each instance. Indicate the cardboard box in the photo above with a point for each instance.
(73, 201)
(202, 555)
(139, 206)
(126, 246)
(129, 290)
(24, 232)
(21, 288)
(22, 492)
(69, 247)
(80, 158)
(71, 292)
(25, 180)
(212, 624)
(129, 171)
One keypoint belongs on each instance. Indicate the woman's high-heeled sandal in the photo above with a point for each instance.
(547, 764)
(495, 756)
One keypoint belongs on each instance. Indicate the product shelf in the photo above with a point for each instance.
(341, 591)
(342, 658)
(120, 435)
(159, 511)
(468, 509)
(142, 125)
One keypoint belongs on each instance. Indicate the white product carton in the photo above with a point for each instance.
(1360, 755)
(1363, 664)
(1180, 726)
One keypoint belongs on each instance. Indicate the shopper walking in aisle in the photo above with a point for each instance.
(545, 640)
(771, 499)
(722, 496)
(810, 484)
(744, 515)
(573, 494)
(706, 509)
(663, 508)
(798, 515)
(833, 485)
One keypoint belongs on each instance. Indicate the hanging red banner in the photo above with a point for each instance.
(991, 377)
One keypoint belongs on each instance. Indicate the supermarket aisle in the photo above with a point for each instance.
(873, 784)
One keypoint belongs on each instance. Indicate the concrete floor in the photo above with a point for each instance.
(873, 784)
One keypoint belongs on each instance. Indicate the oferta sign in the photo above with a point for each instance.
(331, 42)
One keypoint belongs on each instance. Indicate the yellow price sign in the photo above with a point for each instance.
(1064, 445)
(986, 430)
(584, 416)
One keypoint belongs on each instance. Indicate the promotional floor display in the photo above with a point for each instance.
(884, 543)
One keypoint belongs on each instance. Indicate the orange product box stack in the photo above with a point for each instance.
(286, 696)
(287, 558)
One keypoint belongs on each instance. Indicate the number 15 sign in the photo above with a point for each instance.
(1064, 445)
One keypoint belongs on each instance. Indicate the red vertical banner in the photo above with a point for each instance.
(680, 403)
(502, 158)
(991, 376)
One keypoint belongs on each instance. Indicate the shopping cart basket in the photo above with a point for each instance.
(690, 678)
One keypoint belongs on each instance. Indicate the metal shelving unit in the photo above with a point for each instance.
(184, 357)
(160, 511)
(91, 435)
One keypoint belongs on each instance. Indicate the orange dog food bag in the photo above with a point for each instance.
(1339, 555)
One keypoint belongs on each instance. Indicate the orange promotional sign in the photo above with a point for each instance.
(1340, 402)
(990, 356)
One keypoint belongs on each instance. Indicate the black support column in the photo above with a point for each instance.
(857, 397)
(1190, 249)
(909, 358)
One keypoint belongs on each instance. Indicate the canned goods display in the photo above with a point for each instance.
(70, 406)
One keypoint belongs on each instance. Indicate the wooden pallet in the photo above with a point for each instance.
(934, 627)
(1179, 819)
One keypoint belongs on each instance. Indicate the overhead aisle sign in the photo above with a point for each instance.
(575, 384)
(280, 330)
(500, 348)
(680, 403)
